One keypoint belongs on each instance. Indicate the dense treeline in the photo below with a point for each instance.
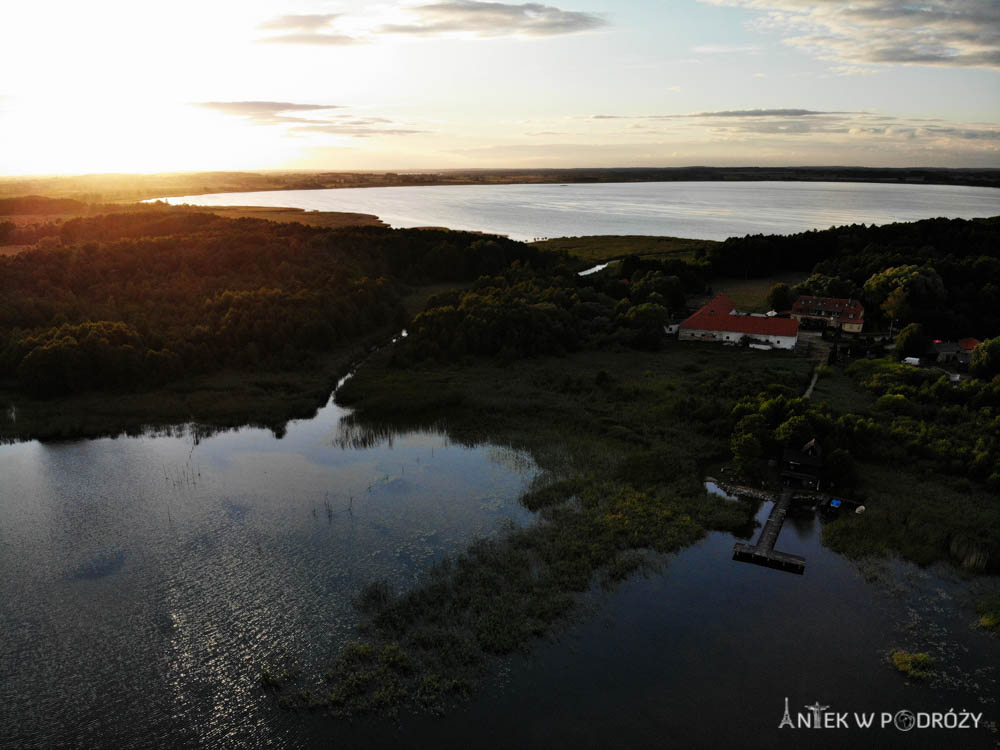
(528, 311)
(921, 425)
(141, 298)
(921, 418)
(944, 273)
(37, 204)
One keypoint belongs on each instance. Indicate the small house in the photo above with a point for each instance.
(944, 352)
(803, 467)
(831, 312)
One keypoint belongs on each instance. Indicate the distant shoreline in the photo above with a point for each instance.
(102, 188)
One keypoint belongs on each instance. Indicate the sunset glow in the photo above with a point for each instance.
(388, 85)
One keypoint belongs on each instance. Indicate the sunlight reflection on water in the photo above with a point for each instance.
(704, 210)
(145, 582)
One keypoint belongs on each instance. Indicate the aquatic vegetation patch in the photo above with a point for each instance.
(988, 609)
(912, 664)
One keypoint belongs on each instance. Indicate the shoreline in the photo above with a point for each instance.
(123, 188)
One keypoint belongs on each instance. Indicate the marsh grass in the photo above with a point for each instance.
(913, 664)
(923, 517)
(621, 440)
(988, 609)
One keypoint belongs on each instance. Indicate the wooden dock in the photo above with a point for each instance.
(763, 552)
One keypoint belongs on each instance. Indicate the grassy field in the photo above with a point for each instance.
(601, 248)
(841, 392)
(750, 295)
(327, 219)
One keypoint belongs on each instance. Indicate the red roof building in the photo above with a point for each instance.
(848, 314)
(720, 321)
(969, 345)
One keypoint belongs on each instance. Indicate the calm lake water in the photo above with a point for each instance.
(144, 582)
(705, 210)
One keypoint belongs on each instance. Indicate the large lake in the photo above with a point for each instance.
(146, 581)
(705, 210)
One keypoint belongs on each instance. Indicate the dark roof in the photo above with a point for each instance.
(945, 347)
(793, 456)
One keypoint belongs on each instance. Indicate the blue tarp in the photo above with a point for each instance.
(835, 503)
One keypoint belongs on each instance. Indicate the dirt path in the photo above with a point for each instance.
(812, 383)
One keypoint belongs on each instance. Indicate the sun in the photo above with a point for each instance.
(81, 135)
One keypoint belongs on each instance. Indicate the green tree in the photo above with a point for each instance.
(985, 360)
(911, 341)
(794, 432)
(780, 297)
(905, 293)
(747, 454)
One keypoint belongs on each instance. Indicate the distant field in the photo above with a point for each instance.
(328, 219)
(750, 295)
(324, 219)
(600, 248)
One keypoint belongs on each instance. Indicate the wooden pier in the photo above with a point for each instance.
(763, 552)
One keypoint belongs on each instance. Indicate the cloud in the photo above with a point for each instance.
(492, 19)
(298, 23)
(332, 123)
(722, 113)
(953, 33)
(481, 19)
(304, 37)
(763, 113)
(759, 125)
(357, 131)
(307, 29)
(266, 113)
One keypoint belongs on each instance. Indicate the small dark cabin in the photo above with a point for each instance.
(803, 467)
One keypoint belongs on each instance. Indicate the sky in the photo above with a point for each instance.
(136, 86)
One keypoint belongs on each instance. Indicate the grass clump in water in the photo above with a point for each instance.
(988, 609)
(911, 663)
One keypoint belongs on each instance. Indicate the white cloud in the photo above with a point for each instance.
(266, 113)
(489, 19)
(332, 123)
(883, 32)
(480, 19)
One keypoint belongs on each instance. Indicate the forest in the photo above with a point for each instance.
(134, 300)
(943, 273)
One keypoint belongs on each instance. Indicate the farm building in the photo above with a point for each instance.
(719, 321)
(847, 314)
